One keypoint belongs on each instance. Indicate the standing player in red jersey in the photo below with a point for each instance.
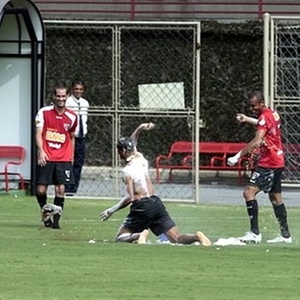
(267, 174)
(55, 127)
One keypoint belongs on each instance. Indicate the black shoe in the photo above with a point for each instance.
(48, 223)
(55, 226)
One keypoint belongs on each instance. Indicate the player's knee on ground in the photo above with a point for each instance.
(127, 237)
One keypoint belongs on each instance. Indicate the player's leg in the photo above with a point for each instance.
(172, 234)
(62, 176)
(256, 183)
(161, 222)
(279, 209)
(136, 224)
(187, 238)
(41, 194)
(252, 207)
(203, 239)
(143, 237)
(125, 235)
(59, 200)
(44, 178)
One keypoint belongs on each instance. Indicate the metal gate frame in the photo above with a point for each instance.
(273, 99)
(118, 113)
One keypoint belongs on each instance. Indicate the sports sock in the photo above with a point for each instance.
(281, 215)
(252, 209)
(59, 201)
(42, 200)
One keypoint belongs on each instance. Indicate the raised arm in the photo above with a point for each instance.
(144, 126)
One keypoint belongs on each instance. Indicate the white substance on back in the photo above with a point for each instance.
(137, 169)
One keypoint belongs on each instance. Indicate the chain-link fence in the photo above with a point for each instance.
(134, 73)
(284, 88)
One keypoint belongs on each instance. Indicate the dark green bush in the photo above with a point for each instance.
(231, 66)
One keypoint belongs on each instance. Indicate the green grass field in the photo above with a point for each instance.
(40, 263)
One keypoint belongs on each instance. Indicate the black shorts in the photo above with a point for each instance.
(267, 180)
(55, 173)
(148, 213)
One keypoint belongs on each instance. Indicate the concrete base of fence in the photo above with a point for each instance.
(89, 172)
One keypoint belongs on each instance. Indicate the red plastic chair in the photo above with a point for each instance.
(15, 156)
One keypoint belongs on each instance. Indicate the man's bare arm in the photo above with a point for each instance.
(144, 126)
(245, 119)
(255, 143)
(126, 200)
(41, 155)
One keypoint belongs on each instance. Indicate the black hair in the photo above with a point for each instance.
(77, 81)
(60, 85)
(258, 94)
(125, 143)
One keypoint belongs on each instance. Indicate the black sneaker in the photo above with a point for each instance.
(55, 226)
(46, 216)
(48, 223)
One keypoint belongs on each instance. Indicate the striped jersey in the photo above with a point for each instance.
(56, 133)
(271, 151)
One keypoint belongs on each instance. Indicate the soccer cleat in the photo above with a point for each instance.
(55, 226)
(50, 211)
(280, 239)
(250, 237)
(48, 223)
(46, 217)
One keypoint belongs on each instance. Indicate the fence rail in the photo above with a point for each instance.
(149, 10)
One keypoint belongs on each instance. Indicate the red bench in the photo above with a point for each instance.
(11, 155)
(213, 156)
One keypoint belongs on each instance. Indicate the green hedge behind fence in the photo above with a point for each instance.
(231, 66)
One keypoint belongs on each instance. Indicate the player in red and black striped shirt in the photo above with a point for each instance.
(267, 174)
(55, 127)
